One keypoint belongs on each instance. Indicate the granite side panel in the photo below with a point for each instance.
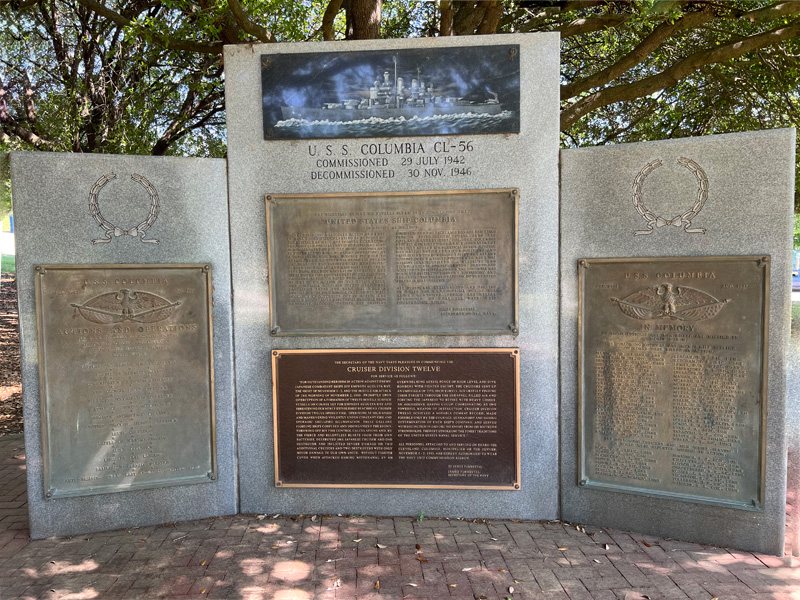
(527, 161)
(54, 225)
(748, 212)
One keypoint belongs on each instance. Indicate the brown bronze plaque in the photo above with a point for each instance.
(433, 262)
(126, 377)
(397, 418)
(673, 357)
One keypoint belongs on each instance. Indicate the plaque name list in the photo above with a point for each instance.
(126, 376)
(432, 262)
(672, 377)
(397, 418)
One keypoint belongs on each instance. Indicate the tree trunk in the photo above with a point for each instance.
(445, 17)
(364, 19)
(333, 8)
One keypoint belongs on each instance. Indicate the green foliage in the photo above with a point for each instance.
(5, 185)
(156, 84)
(9, 264)
(796, 231)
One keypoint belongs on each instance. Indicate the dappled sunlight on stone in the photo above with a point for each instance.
(266, 528)
(85, 593)
(254, 593)
(291, 570)
(292, 595)
(253, 566)
(61, 567)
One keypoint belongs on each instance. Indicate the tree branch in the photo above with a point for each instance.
(333, 8)
(661, 33)
(169, 42)
(673, 74)
(20, 4)
(491, 18)
(580, 26)
(248, 26)
(445, 18)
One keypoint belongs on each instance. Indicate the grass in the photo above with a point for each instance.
(9, 264)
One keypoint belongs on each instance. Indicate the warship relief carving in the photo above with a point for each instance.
(684, 220)
(111, 230)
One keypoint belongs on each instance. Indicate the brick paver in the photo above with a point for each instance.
(296, 558)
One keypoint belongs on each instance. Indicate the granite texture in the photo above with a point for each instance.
(793, 427)
(54, 225)
(748, 212)
(527, 161)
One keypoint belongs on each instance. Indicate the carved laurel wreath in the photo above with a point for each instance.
(685, 219)
(111, 230)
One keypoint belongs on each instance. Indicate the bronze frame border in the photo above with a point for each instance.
(757, 504)
(274, 327)
(42, 270)
(512, 352)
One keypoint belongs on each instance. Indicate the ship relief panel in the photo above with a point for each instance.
(126, 377)
(397, 93)
(672, 377)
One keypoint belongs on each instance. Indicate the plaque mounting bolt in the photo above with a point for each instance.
(582, 482)
(275, 330)
(513, 328)
(206, 268)
(49, 494)
(583, 263)
(39, 269)
(516, 486)
(277, 484)
(211, 476)
(762, 261)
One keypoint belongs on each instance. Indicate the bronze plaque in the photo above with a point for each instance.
(126, 377)
(673, 355)
(432, 262)
(397, 418)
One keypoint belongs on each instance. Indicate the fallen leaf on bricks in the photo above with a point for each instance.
(646, 544)
(467, 569)
(378, 585)
(420, 559)
(381, 546)
(510, 590)
(358, 540)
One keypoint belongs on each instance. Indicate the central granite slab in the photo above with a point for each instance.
(473, 113)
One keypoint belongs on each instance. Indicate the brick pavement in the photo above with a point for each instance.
(299, 558)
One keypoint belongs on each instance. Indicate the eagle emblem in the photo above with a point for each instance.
(126, 305)
(665, 301)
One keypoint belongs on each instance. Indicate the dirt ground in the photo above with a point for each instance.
(10, 388)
